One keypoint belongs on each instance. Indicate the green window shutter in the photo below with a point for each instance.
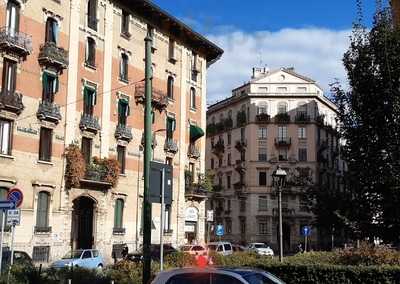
(119, 208)
(86, 97)
(56, 85)
(44, 79)
(42, 210)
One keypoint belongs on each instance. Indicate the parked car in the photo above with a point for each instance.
(216, 276)
(224, 248)
(86, 258)
(238, 248)
(194, 249)
(155, 252)
(260, 249)
(20, 258)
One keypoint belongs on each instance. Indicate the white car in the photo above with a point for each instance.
(224, 248)
(194, 249)
(215, 276)
(260, 249)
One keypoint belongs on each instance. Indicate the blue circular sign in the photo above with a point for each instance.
(306, 231)
(220, 230)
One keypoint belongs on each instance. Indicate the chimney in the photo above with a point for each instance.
(396, 12)
(258, 72)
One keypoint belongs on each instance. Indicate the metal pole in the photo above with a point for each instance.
(208, 232)
(280, 223)
(305, 243)
(12, 244)
(3, 217)
(147, 158)
(162, 221)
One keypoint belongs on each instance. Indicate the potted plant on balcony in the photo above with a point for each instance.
(75, 166)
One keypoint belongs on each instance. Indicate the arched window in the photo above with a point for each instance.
(123, 67)
(13, 9)
(170, 87)
(282, 107)
(91, 52)
(192, 98)
(51, 30)
(92, 14)
(42, 213)
(262, 108)
(118, 213)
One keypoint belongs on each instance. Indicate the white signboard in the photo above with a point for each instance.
(210, 215)
(190, 228)
(13, 217)
(191, 214)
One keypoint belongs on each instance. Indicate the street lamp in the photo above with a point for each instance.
(279, 177)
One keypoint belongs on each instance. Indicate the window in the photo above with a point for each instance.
(171, 50)
(285, 200)
(87, 254)
(167, 218)
(92, 14)
(50, 87)
(41, 254)
(302, 154)
(3, 197)
(192, 98)
(229, 159)
(118, 213)
(262, 133)
(282, 132)
(262, 108)
(123, 111)
(193, 278)
(171, 126)
(282, 155)
(13, 9)
(121, 153)
(302, 133)
(228, 225)
(123, 67)
(242, 134)
(51, 30)
(42, 217)
(243, 226)
(229, 205)
(228, 182)
(90, 59)
(242, 205)
(303, 203)
(194, 67)
(220, 162)
(45, 144)
(302, 108)
(170, 87)
(262, 227)
(282, 107)
(262, 203)
(262, 154)
(229, 138)
(5, 136)
(89, 100)
(87, 149)
(212, 163)
(9, 76)
(262, 178)
(125, 23)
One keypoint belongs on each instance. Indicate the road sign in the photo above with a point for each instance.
(15, 195)
(306, 231)
(13, 217)
(210, 215)
(5, 204)
(220, 230)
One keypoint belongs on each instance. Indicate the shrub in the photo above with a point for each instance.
(180, 259)
(75, 166)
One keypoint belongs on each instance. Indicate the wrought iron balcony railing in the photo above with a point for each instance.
(171, 146)
(263, 118)
(302, 117)
(11, 101)
(241, 145)
(283, 141)
(52, 55)
(193, 152)
(16, 43)
(282, 118)
(89, 123)
(122, 132)
(159, 99)
(49, 111)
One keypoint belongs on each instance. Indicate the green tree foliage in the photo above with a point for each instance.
(369, 120)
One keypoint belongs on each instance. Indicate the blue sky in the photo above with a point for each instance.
(309, 35)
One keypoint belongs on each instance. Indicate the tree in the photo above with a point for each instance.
(369, 123)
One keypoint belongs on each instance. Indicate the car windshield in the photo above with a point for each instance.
(260, 246)
(73, 254)
(212, 247)
(258, 278)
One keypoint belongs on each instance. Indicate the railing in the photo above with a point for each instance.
(193, 190)
(171, 146)
(218, 148)
(17, 42)
(282, 118)
(238, 185)
(302, 117)
(283, 141)
(11, 101)
(122, 132)
(217, 188)
(119, 231)
(89, 122)
(285, 211)
(263, 118)
(48, 111)
(51, 54)
(241, 118)
(46, 229)
(241, 145)
(159, 99)
(193, 152)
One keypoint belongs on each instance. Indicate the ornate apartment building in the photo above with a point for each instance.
(277, 118)
(71, 105)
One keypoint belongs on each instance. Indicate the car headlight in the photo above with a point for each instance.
(69, 264)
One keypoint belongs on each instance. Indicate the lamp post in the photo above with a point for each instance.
(279, 177)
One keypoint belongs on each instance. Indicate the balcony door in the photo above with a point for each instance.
(13, 9)
(9, 75)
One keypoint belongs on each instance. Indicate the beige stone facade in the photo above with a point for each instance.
(56, 218)
(278, 118)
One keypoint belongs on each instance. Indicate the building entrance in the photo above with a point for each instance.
(82, 231)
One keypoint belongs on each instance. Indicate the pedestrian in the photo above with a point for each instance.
(300, 248)
(124, 252)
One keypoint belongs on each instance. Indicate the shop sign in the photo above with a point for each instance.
(191, 214)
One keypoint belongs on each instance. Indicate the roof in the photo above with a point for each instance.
(164, 21)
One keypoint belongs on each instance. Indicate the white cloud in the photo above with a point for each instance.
(313, 52)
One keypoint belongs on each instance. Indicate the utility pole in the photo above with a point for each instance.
(280, 222)
(147, 158)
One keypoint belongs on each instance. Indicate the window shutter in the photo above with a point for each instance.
(128, 110)
(94, 98)
(55, 31)
(56, 85)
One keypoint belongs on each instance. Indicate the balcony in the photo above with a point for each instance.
(219, 148)
(283, 141)
(320, 119)
(11, 101)
(282, 118)
(53, 56)
(241, 145)
(302, 118)
(119, 231)
(263, 118)
(15, 43)
(159, 99)
(89, 123)
(285, 212)
(240, 166)
(122, 132)
(49, 111)
(193, 152)
(46, 229)
(195, 192)
(239, 185)
(228, 123)
(171, 146)
(241, 118)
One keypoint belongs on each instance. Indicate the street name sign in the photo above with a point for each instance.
(5, 204)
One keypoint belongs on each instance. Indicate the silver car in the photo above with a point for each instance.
(216, 276)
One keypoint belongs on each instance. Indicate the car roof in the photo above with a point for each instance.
(176, 271)
(219, 243)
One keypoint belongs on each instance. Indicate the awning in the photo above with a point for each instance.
(195, 132)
